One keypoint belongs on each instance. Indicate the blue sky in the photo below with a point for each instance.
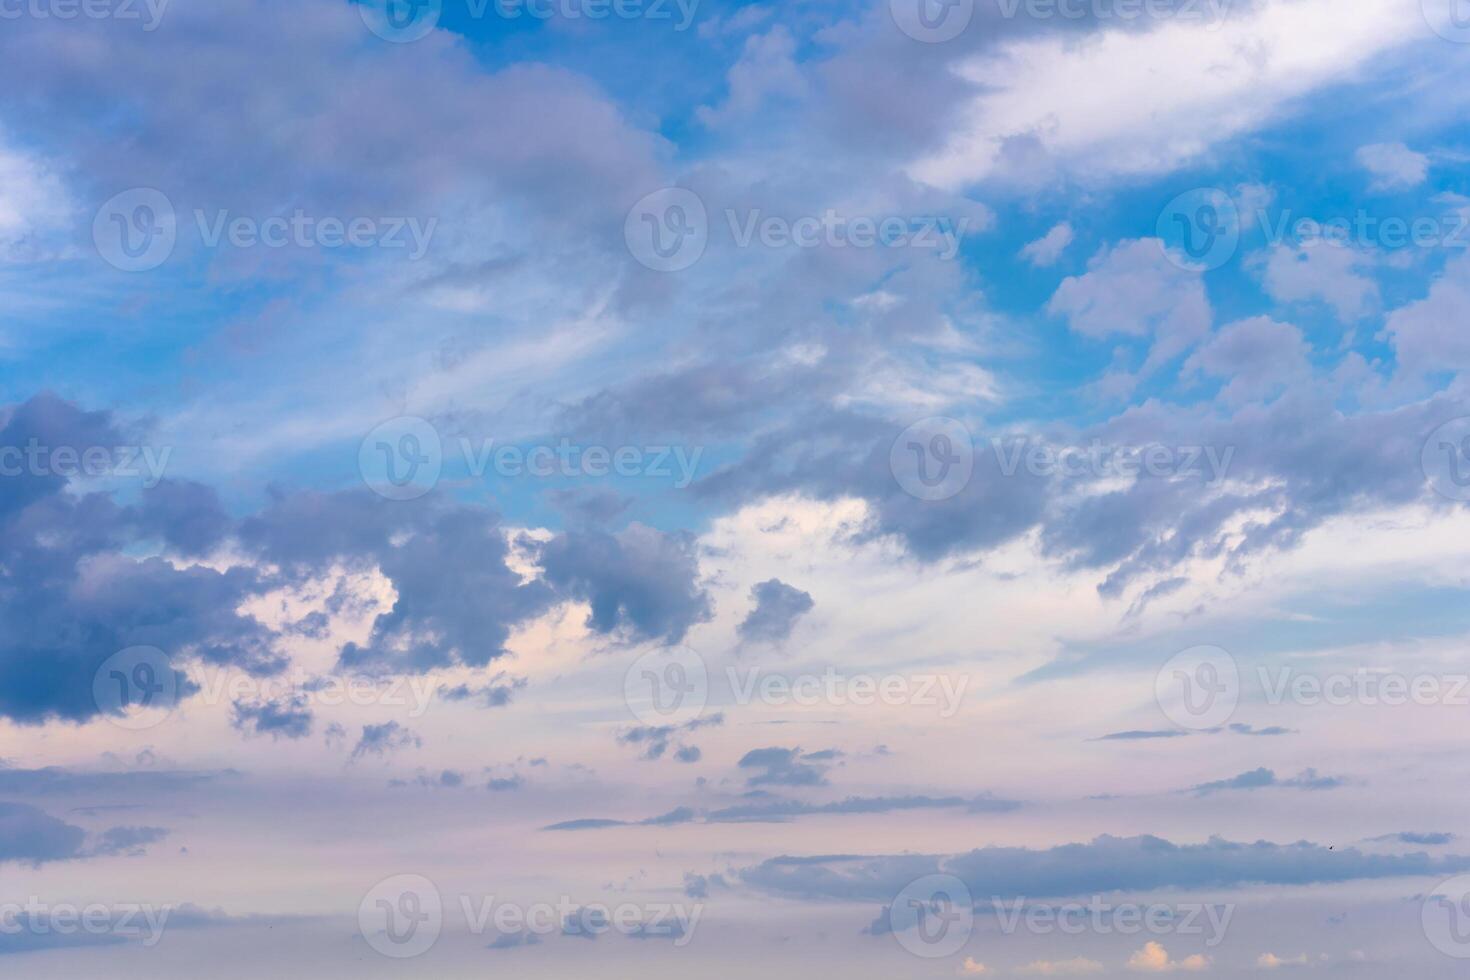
(925, 487)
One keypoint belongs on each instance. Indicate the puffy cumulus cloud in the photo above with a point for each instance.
(766, 72)
(1270, 961)
(778, 606)
(1154, 958)
(1135, 290)
(85, 581)
(457, 599)
(1331, 274)
(1425, 333)
(641, 583)
(1254, 359)
(1107, 864)
(1393, 165)
(974, 968)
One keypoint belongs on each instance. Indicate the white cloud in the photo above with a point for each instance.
(33, 203)
(974, 968)
(1270, 961)
(1154, 958)
(1393, 165)
(1142, 102)
(1134, 290)
(767, 69)
(1325, 272)
(1049, 247)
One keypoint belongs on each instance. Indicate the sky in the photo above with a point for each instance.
(652, 488)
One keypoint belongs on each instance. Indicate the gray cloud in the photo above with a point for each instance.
(777, 608)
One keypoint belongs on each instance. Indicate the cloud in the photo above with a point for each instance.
(287, 717)
(777, 608)
(1270, 961)
(1048, 249)
(1145, 102)
(1330, 274)
(1307, 779)
(1106, 864)
(31, 836)
(788, 767)
(495, 694)
(766, 71)
(654, 740)
(382, 739)
(1153, 958)
(974, 968)
(1393, 165)
(1256, 358)
(1133, 290)
(641, 583)
(84, 583)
